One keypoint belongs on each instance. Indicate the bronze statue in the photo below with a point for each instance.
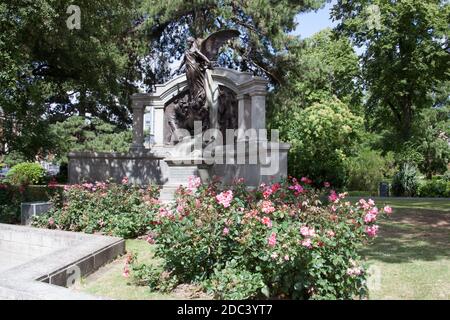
(199, 57)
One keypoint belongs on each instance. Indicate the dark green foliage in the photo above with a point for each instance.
(434, 188)
(235, 283)
(84, 134)
(367, 169)
(264, 27)
(13, 158)
(12, 196)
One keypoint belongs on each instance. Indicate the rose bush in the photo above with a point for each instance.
(115, 209)
(285, 240)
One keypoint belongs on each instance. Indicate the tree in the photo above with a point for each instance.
(264, 27)
(406, 59)
(49, 72)
(367, 169)
(82, 134)
(433, 140)
(68, 71)
(322, 67)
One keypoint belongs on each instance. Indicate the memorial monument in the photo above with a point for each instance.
(209, 121)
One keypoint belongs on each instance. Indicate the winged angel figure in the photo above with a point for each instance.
(203, 93)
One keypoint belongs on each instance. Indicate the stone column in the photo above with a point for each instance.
(244, 115)
(159, 125)
(138, 126)
(258, 117)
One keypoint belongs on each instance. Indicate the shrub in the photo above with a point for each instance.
(12, 196)
(359, 193)
(9, 205)
(114, 209)
(446, 176)
(235, 283)
(26, 173)
(366, 170)
(434, 188)
(405, 181)
(279, 241)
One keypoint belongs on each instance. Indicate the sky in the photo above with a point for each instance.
(312, 22)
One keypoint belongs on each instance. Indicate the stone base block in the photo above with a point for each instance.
(30, 209)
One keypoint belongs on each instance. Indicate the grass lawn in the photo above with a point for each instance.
(434, 204)
(410, 258)
(109, 282)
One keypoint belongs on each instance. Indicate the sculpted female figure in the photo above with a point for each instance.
(198, 59)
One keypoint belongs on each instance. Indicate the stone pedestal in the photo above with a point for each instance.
(138, 127)
(179, 172)
(30, 209)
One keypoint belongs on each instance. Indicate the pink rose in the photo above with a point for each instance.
(307, 232)
(372, 230)
(267, 222)
(225, 198)
(326, 184)
(126, 272)
(275, 187)
(267, 207)
(272, 241)
(267, 192)
(194, 182)
(333, 196)
(387, 210)
(150, 239)
(307, 243)
(330, 233)
(125, 180)
(164, 213)
(355, 271)
(363, 204)
(297, 188)
(370, 217)
(225, 231)
(306, 180)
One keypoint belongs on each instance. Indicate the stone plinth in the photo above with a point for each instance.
(179, 172)
(142, 168)
(30, 209)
